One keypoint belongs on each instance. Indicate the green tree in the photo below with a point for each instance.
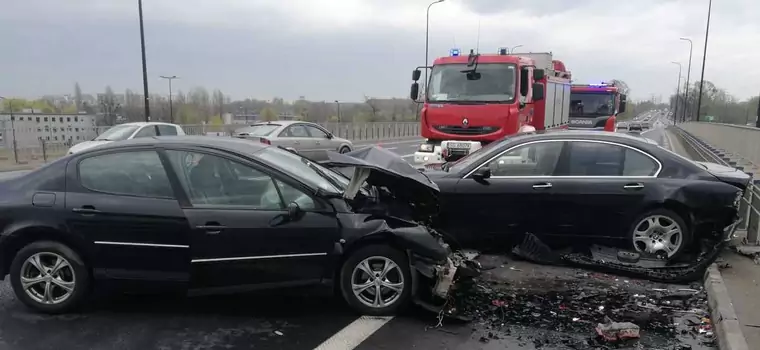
(268, 114)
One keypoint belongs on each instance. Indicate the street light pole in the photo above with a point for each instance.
(171, 110)
(704, 60)
(688, 76)
(427, 38)
(678, 92)
(513, 49)
(338, 104)
(144, 63)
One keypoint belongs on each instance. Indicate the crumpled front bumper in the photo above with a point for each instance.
(445, 275)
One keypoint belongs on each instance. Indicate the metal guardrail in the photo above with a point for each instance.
(749, 206)
(33, 146)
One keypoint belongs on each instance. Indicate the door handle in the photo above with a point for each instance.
(636, 186)
(212, 228)
(86, 210)
(543, 185)
(297, 142)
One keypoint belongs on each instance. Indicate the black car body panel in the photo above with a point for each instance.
(170, 239)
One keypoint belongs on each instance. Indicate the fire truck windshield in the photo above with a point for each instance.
(449, 85)
(591, 104)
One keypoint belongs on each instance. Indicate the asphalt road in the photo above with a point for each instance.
(291, 320)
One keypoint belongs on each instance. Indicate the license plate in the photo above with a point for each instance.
(459, 145)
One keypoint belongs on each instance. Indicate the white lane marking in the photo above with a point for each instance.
(389, 148)
(407, 155)
(669, 140)
(355, 333)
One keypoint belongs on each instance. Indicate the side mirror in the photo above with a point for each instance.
(538, 74)
(329, 136)
(414, 94)
(621, 109)
(482, 173)
(416, 74)
(294, 210)
(538, 91)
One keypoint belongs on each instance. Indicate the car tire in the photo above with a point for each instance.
(344, 149)
(649, 233)
(71, 273)
(364, 302)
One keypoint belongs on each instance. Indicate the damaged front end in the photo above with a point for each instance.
(398, 199)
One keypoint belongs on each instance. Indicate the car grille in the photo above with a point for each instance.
(460, 130)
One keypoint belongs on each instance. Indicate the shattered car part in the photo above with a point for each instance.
(617, 331)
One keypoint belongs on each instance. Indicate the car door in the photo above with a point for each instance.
(123, 203)
(297, 137)
(514, 199)
(242, 234)
(606, 183)
(321, 139)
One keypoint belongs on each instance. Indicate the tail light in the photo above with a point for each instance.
(265, 141)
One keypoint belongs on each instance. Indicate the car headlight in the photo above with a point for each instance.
(426, 147)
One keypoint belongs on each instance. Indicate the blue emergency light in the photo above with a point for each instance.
(454, 52)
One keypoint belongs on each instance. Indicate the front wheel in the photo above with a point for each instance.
(660, 232)
(376, 280)
(344, 149)
(49, 277)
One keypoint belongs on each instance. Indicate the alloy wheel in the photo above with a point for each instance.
(48, 278)
(658, 233)
(377, 282)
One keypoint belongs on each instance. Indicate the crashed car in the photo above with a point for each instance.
(570, 187)
(208, 215)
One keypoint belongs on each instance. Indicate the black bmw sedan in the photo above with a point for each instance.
(203, 214)
(575, 185)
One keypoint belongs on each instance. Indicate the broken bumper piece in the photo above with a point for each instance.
(456, 273)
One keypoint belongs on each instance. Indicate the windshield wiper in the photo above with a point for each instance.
(472, 61)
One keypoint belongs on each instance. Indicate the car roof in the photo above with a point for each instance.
(585, 135)
(146, 123)
(282, 122)
(221, 143)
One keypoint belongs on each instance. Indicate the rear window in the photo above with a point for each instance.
(258, 130)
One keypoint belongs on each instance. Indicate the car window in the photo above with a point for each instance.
(595, 159)
(148, 131)
(116, 133)
(535, 159)
(295, 131)
(126, 173)
(638, 164)
(167, 130)
(213, 180)
(316, 132)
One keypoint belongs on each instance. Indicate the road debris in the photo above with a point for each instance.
(612, 331)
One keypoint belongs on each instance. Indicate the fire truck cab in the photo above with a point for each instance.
(470, 101)
(596, 106)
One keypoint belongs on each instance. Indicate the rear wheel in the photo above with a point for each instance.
(49, 277)
(660, 232)
(344, 149)
(376, 280)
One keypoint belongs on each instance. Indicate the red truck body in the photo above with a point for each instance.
(499, 103)
(595, 106)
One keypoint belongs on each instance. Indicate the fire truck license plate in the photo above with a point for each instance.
(459, 145)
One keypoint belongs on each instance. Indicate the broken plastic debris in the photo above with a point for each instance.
(614, 331)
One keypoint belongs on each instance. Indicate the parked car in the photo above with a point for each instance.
(646, 125)
(129, 131)
(604, 186)
(635, 126)
(197, 213)
(622, 125)
(295, 135)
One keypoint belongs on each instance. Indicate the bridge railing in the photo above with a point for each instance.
(705, 144)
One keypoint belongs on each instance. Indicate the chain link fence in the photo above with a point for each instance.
(24, 146)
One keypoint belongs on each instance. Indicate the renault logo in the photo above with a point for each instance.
(465, 122)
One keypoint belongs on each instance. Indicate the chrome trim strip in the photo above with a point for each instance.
(155, 245)
(257, 257)
(657, 173)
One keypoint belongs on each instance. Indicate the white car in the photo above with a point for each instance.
(129, 131)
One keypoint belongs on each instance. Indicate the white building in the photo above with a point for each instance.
(30, 128)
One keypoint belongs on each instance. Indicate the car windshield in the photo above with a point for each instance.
(307, 171)
(474, 157)
(496, 84)
(117, 133)
(590, 104)
(258, 129)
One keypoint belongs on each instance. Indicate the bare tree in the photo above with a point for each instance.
(373, 106)
(78, 97)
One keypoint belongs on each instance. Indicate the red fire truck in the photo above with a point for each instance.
(473, 100)
(595, 106)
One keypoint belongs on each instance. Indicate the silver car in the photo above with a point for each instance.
(298, 136)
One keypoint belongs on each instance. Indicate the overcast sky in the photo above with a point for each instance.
(344, 49)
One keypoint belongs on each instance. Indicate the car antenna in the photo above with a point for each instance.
(472, 61)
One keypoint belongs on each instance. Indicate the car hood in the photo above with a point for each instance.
(382, 168)
(79, 147)
(727, 174)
